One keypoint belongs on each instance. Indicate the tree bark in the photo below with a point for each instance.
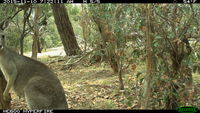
(21, 46)
(65, 29)
(84, 27)
(150, 61)
(4, 104)
(23, 34)
(121, 83)
(36, 33)
(108, 43)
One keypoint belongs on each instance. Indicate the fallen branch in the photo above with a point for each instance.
(59, 60)
(80, 59)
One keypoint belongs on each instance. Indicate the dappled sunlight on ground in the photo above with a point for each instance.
(96, 87)
(87, 88)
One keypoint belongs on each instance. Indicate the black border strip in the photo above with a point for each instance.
(100, 1)
(88, 111)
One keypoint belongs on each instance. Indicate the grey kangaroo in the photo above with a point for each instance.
(31, 79)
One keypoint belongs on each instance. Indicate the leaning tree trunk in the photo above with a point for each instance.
(150, 61)
(108, 43)
(4, 104)
(36, 33)
(65, 29)
(23, 34)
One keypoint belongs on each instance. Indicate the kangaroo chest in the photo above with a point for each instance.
(6, 76)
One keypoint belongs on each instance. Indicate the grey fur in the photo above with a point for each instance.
(31, 79)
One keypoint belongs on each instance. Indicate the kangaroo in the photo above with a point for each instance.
(31, 79)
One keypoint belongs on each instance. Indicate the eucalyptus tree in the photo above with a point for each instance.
(173, 29)
(65, 29)
(115, 23)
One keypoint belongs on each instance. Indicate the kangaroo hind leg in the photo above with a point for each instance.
(38, 95)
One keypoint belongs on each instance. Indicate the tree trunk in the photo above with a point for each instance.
(36, 33)
(65, 29)
(150, 61)
(172, 98)
(121, 83)
(3, 104)
(23, 34)
(21, 40)
(180, 73)
(108, 43)
(84, 27)
(21, 46)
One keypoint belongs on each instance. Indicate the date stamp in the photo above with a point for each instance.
(35, 1)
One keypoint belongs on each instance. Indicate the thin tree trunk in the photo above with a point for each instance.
(21, 46)
(23, 34)
(21, 40)
(84, 27)
(36, 33)
(109, 45)
(150, 61)
(121, 83)
(108, 37)
(65, 29)
(84, 35)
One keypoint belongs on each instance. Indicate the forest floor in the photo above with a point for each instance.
(96, 87)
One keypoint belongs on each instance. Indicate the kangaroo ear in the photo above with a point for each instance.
(4, 24)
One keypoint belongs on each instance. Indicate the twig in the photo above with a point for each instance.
(187, 25)
(77, 61)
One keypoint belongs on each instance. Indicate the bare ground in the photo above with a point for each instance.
(95, 87)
